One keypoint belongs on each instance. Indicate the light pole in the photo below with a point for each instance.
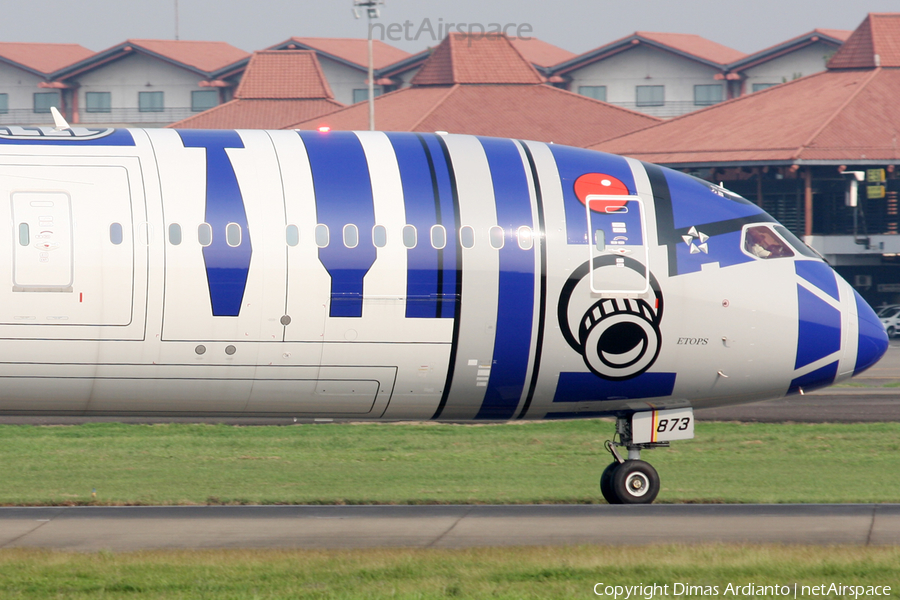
(372, 12)
(176, 21)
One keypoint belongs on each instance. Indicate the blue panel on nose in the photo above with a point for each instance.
(819, 328)
(814, 380)
(873, 340)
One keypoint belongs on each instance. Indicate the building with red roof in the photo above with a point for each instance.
(662, 74)
(278, 88)
(149, 82)
(791, 148)
(485, 86)
(345, 62)
(803, 55)
(24, 68)
(540, 54)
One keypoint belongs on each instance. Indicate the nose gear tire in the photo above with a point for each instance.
(635, 482)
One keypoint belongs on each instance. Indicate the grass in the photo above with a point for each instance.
(519, 573)
(551, 462)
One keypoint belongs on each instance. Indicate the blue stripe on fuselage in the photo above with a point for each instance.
(343, 196)
(420, 199)
(227, 267)
(515, 298)
(449, 268)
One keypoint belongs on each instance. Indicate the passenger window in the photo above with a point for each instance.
(496, 235)
(600, 240)
(467, 237)
(25, 234)
(116, 234)
(204, 234)
(292, 235)
(233, 235)
(321, 235)
(174, 234)
(438, 236)
(526, 238)
(351, 236)
(379, 236)
(762, 242)
(409, 236)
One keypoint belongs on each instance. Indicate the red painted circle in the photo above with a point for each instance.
(591, 184)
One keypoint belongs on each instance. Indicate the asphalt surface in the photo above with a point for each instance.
(143, 528)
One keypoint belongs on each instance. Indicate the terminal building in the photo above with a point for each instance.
(820, 154)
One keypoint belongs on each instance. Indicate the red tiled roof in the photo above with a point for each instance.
(283, 74)
(840, 34)
(258, 114)
(536, 112)
(205, 56)
(540, 53)
(836, 115)
(352, 50)
(877, 36)
(695, 45)
(461, 58)
(44, 58)
(831, 36)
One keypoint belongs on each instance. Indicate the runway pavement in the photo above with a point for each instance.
(141, 528)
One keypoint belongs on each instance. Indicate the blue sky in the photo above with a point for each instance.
(746, 25)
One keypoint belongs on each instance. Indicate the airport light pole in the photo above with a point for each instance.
(373, 12)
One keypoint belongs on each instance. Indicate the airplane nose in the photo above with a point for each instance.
(873, 340)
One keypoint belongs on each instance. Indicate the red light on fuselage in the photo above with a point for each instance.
(324, 129)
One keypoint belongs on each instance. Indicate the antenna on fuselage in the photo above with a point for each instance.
(59, 122)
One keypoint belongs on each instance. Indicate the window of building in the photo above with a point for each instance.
(292, 235)
(98, 102)
(174, 234)
(44, 100)
(363, 94)
(409, 236)
(651, 95)
(379, 236)
(204, 100)
(467, 237)
(758, 87)
(351, 236)
(151, 101)
(204, 234)
(597, 92)
(321, 235)
(707, 95)
(4, 104)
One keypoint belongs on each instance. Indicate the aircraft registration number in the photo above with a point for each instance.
(652, 426)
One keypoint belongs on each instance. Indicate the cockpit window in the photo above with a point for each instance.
(797, 243)
(762, 242)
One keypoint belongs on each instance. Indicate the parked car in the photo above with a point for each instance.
(890, 318)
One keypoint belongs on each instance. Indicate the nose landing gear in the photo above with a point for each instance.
(630, 481)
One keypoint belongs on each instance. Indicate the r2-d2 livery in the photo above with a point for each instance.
(401, 276)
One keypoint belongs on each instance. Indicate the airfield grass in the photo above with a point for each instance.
(520, 573)
(545, 462)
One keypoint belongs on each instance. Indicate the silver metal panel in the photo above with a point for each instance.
(480, 278)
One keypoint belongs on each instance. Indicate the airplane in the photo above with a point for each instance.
(402, 276)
